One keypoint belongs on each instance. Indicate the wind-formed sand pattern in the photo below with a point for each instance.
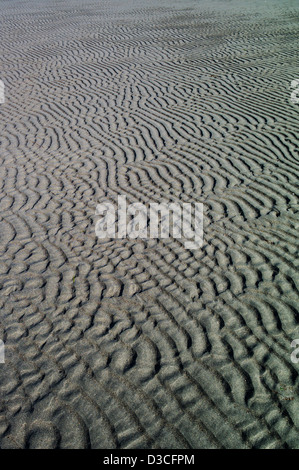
(144, 343)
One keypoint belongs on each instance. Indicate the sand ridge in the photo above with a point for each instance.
(143, 343)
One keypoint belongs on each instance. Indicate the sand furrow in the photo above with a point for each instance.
(143, 343)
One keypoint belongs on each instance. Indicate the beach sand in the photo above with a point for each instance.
(143, 343)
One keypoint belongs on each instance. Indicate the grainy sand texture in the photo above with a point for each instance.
(143, 343)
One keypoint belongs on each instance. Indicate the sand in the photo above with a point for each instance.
(143, 343)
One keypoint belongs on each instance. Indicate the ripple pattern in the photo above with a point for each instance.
(144, 343)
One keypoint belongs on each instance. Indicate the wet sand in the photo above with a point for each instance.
(144, 343)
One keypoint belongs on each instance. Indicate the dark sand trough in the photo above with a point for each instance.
(144, 343)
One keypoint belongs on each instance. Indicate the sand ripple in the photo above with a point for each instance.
(135, 343)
